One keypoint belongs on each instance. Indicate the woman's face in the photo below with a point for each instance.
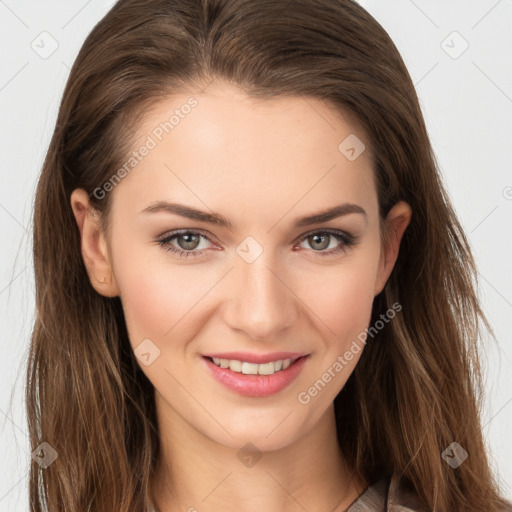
(261, 285)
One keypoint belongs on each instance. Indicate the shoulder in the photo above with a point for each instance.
(402, 498)
(392, 494)
(389, 494)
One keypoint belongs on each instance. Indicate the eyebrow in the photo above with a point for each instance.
(215, 218)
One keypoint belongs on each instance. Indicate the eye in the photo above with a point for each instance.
(321, 240)
(187, 243)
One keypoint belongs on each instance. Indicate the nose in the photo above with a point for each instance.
(261, 302)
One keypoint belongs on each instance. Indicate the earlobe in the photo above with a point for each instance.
(93, 245)
(396, 223)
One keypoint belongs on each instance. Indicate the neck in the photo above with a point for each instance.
(195, 473)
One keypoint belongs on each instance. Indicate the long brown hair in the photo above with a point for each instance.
(417, 386)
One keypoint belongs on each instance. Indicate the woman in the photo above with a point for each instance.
(252, 290)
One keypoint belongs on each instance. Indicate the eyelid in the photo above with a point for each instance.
(332, 231)
(176, 232)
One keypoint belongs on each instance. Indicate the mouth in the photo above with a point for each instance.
(255, 378)
(247, 368)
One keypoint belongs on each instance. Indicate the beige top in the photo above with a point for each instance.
(387, 496)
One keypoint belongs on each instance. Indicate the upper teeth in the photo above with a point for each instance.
(253, 368)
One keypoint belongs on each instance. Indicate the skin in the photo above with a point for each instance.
(262, 165)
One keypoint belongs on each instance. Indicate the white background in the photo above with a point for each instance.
(467, 103)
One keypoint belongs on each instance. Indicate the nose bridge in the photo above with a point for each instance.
(261, 305)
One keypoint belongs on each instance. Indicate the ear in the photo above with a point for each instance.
(94, 245)
(396, 222)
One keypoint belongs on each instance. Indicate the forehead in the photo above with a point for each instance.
(230, 149)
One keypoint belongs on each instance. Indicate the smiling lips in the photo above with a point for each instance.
(255, 375)
(253, 368)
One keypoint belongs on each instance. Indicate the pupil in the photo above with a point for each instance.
(189, 239)
(324, 245)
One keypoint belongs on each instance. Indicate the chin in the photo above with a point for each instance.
(267, 431)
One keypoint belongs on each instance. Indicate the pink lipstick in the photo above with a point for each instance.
(255, 375)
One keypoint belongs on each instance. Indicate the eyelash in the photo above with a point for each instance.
(347, 240)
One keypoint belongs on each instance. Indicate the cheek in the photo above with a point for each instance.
(145, 291)
(343, 299)
(159, 305)
(157, 298)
